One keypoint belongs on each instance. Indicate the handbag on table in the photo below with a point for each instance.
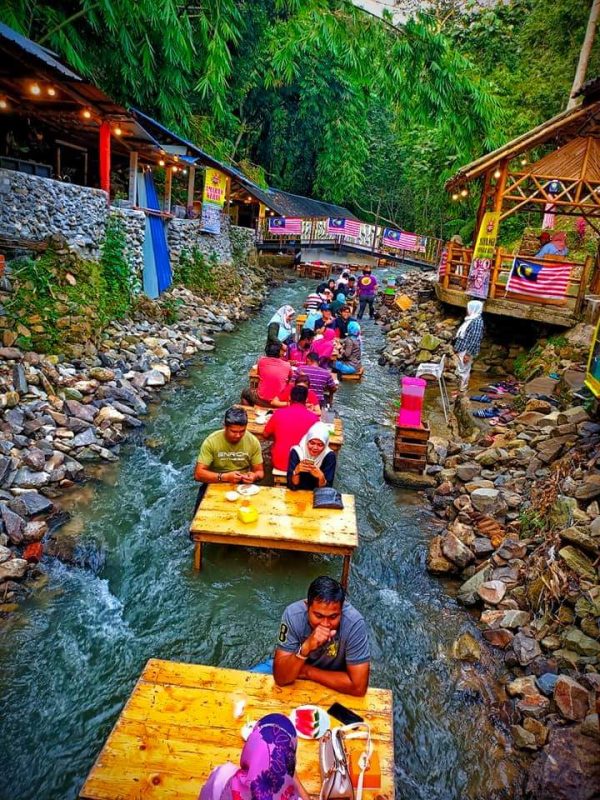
(327, 497)
(336, 782)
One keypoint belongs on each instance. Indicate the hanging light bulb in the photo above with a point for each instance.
(86, 113)
(3, 104)
(497, 174)
(51, 91)
(523, 161)
(35, 89)
(161, 162)
(174, 169)
(118, 131)
(464, 192)
(184, 171)
(455, 196)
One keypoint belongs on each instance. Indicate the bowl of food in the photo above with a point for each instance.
(232, 496)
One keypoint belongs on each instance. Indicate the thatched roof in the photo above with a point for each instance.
(574, 124)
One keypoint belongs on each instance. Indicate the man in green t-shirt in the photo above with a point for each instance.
(231, 455)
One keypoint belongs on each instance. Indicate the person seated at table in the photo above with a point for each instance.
(312, 463)
(280, 328)
(338, 303)
(327, 318)
(229, 455)
(325, 345)
(284, 399)
(324, 639)
(274, 372)
(341, 321)
(288, 425)
(267, 769)
(349, 361)
(557, 246)
(342, 283)
(328, 285)
(314, 319)
(321, 380)
(297, 351)
(313, 302)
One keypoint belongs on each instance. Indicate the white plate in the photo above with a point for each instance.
(248, 489)
(324, 722)
(232, 496)
(261, 419)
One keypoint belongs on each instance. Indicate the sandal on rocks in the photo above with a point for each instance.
(486, 413)
(481, 398)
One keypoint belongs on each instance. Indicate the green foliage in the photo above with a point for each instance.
(116, 271)
(196, 272)
(531, 522)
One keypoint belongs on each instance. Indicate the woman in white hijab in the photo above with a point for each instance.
(468, 342)
(312, 463)
(280, 325)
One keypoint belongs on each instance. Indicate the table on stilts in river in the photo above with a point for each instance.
(178, 725)
(286, 521)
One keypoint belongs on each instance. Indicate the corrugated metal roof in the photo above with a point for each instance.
(49, 58)
(295, 205)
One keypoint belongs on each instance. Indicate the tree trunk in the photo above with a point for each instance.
(586, 49)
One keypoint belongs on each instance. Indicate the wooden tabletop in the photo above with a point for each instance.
(286, 520)
(178, 725)
(336, 439)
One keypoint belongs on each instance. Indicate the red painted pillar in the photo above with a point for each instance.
(104, 152)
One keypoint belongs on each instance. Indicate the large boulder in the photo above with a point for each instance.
(568, 768)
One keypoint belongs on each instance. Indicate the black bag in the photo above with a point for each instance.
(327, 497)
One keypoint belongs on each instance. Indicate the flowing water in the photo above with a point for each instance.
(70, 658)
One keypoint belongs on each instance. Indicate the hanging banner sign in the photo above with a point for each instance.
(478, 283)
(210, 220)
(488, 233)
(215, 187)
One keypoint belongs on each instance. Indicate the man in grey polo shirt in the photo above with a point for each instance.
(324, 639)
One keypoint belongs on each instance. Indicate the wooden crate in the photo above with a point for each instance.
(410, 448)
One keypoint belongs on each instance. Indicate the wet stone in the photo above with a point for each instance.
(571, 698)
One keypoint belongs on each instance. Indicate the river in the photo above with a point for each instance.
(71, 656)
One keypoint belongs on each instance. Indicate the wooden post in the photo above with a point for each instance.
(168, 184)
(448, 264)
(133, 166)
(483, 201)
(345, 571)
(104, 158)
(190, 189)
(585, 275)
(500, 187)
(495, 273)
(198, 556)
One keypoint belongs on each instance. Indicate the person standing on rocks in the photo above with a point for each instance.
(468, 342)
(230, 455)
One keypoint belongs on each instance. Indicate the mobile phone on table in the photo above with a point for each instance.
(343, 714)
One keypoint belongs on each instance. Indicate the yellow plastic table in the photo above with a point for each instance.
(286, 521)
(178, 724)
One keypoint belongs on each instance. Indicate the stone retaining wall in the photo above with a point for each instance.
(34, 208)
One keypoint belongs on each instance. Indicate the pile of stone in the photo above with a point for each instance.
(521, 512)
(59, 413)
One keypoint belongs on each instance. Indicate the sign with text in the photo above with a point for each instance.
(487, 235)
(210, 221)
(215, 187)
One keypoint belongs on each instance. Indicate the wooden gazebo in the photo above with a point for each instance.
(564, 181)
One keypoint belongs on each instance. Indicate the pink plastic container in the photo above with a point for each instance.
(411, 402)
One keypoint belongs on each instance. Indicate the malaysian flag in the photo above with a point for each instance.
(343, 227)
(284, 225)
(549, 281)
(400, 239)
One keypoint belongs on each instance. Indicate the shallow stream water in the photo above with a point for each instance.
(70, 658)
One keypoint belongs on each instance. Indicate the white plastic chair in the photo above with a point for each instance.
(436, 370)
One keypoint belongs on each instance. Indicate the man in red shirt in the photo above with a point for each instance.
(288, 425)
(284, 399)
(274, 372)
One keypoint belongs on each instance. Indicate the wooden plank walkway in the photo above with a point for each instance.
(178, 725)
(286, 521)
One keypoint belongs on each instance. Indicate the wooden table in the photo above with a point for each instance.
(287, 521)
(312, 270)
(178, 725)
(336, 439)
(253, 383)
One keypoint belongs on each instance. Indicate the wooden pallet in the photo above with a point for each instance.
(352, 376)
(410, 448)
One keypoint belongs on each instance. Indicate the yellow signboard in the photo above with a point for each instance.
(487, 235)
(592, 375)
(215, 187)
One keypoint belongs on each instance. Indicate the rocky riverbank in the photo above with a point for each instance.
(519, 526)
(61, 413)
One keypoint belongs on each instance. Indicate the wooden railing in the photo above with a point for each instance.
(459, 262)
(370, 239)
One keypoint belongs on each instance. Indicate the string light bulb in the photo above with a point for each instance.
(161, 162)
(3, 104)
(174, 169)
(86, 113)
(523, 161)
(497, 174)
(35, 89)
(118, 131)
(51, 91)
(455, 196)
(464, 192)
(184, 171)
